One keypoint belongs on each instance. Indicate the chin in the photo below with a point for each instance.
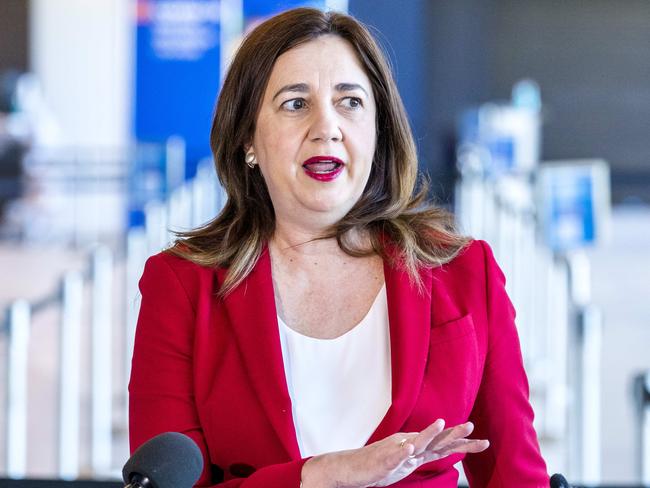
(336, 202)
(336, 209)
(328, 209)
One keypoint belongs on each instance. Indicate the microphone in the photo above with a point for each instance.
(559, 481)
(169, 460)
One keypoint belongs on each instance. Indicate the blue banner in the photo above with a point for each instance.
(177, 73)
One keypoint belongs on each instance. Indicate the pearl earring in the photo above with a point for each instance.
(250, 159)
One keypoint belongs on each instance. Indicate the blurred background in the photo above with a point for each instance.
(532, 120)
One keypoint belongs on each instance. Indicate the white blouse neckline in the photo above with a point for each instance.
(354, 330)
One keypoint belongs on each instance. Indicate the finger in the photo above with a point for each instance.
(479, 446)
(450, 435)
(460, 446)
(424, 438)
(467, 445)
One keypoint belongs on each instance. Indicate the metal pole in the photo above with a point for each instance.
(206, 179)
(175, 162)
(206, 194)
(555, 322)
(487, 208)
(156, 226)
(179, 211)
(136, 254)
(526, 282)
(198, 199)
(16, 428)
(642, 391)
(591, 331)
(69, 380)
(464, 209)
(174, 213)
(585, 336)
(101, 383)
(186, 206)
(502, 232)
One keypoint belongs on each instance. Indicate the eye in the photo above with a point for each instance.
(352, 103)
(294, 105)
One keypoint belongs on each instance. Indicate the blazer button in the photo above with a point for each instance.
(241, 470)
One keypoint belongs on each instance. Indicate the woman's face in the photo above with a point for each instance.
(315, 133)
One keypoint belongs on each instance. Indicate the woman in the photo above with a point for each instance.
(324, 328)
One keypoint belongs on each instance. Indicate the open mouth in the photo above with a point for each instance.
(322, 167)
(322, 164)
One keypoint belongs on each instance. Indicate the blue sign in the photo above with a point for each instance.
(177, 73)
(574, 203)
(503, 138)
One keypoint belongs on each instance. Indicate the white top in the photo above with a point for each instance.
(340, 388)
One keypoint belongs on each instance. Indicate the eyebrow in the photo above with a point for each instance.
(303, 87)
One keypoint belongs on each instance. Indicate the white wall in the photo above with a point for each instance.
(82, 53)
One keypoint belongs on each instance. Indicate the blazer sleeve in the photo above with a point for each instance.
(502, 412)
(161, 391)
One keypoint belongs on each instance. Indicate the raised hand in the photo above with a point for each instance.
(389, 460)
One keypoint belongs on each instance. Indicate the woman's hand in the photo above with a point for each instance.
(389, 460)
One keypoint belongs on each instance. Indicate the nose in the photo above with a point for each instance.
(325, 125)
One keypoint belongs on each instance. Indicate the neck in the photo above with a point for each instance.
(289, 238)
(295, 240)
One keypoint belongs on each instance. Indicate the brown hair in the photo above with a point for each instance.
(392, 210)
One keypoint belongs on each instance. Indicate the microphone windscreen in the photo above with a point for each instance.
(559, 481)
(169, 460)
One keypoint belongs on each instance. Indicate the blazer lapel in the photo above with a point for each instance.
(409, 315)
(253, 317)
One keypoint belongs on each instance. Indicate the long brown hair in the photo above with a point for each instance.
(393, 209)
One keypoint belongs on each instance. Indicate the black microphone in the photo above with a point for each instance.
(559, 481)
(169, 460)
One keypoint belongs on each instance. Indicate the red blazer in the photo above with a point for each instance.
(213, 369)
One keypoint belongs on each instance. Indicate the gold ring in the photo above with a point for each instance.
(402, 442)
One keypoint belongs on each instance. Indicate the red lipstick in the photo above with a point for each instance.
(323, 168)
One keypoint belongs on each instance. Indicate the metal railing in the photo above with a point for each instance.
(191, 204)
(559, 328)
(69, 297)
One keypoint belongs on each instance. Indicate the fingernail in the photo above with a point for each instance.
(440, 422)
